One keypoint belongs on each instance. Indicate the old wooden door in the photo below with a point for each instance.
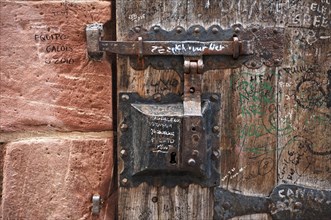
(273, 126)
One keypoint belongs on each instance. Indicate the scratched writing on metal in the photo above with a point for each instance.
(164, 132)
(178, 48)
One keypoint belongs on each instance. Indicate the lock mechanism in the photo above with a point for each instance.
(175, 139)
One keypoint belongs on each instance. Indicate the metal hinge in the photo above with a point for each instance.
(285, 202)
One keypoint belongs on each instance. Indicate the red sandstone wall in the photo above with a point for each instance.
(55, 111)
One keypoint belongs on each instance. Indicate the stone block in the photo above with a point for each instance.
(55, 178)
(47, 81)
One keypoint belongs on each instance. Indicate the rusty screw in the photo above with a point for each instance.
(216, 129)
(124, 181)
(124, 127)
(214, 98)
(137, 29)
(157, 97)
(156, 29)
(237, 30)
(216, 153)
(191, 162)
(214, 30)
(195, 153)
(123, 153)
(125, 97)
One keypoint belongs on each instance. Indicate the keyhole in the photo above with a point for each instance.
(173, 158)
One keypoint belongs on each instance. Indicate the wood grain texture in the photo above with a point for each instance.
(275, 122)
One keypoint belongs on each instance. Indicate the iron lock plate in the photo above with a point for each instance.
(153, 147)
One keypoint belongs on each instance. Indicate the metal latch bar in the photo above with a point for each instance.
(184, 48)
(143, 47)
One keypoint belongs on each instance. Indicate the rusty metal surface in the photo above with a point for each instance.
(253, 46)
(153, 143)
(285, 202)
(94, 32)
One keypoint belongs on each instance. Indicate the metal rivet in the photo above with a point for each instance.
(275, 31)
(214, 30)
(199, 15)
(155, 199)
(137, 29)
(124, 181)
(216, 153)
(216, 129)
(214, 98)
(179, 30)
(156, 28)
(124, 127)
(195, 153)
(191, 162)
(196, 30)
(253, 64)
(237, 30)
(298, 205)
(192, 90)
(226, 205)
(125, 97)
(123, 153)
(157, 97)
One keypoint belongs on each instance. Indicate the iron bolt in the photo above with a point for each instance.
(196, 30)
(124, 181)
(156, 28)
(179, 30)
(214, 30)
(214, 98)
(124, 127)
(123, 153)
(125, 97)
(216, 153)
(191, 162)
(157, 97)
(137, 29)
(253, 64)
(195, 153)
(237, 30)
(216, 129)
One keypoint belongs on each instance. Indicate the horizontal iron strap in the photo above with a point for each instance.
(185, 48)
